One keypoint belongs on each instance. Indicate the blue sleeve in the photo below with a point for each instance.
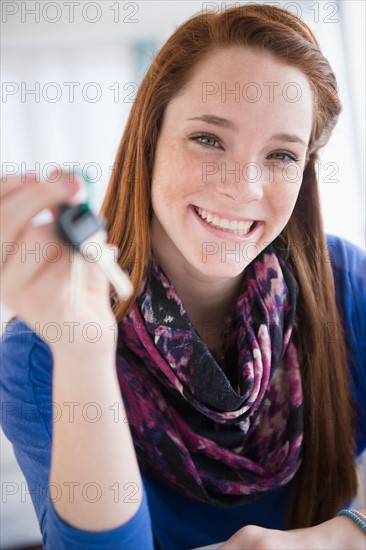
(349, 271)
(26, 419)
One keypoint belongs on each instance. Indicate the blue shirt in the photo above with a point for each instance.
(165, 519)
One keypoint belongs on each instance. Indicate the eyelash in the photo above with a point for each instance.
(198, 136)
(292, 158)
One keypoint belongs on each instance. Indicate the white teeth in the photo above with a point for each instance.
(224, 224)
(231, 226)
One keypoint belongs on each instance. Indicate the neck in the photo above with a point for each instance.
(207, 301)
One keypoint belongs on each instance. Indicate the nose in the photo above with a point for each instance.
(241, 182)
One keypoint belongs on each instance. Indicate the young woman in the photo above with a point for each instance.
(240, 358)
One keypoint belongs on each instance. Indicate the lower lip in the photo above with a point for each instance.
(221, 233)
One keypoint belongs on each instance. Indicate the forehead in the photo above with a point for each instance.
(238, 80)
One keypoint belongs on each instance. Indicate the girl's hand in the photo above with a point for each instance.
(338, 533)
(35, 271)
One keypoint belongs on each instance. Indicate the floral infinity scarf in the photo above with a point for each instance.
(223, 438)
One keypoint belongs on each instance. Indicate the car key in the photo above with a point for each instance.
(77, 280)
(80, 227)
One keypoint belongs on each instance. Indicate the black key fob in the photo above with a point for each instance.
(76, 224)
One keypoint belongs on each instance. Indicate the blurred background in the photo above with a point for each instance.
(69, 75)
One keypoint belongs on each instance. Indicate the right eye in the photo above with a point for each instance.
(206, 140)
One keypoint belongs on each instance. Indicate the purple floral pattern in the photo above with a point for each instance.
(223, 438)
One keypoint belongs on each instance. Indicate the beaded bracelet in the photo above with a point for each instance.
(353, 514)
(358, 513)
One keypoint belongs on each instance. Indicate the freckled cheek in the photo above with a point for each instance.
(282, 199)
(169, 193)
(177, 183)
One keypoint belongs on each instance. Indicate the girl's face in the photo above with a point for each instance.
(229, 161)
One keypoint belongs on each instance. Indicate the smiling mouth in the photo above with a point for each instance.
(237, 227)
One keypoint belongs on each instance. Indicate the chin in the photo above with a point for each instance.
(215, 266)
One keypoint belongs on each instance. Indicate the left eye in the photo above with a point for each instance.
(283, 155)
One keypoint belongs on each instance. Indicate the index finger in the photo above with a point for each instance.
(9, 184)
(25, 201)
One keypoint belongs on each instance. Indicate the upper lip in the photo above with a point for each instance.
(226, 216)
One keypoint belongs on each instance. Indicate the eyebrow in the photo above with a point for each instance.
(218, 121)
(225, 123)
(291, 138)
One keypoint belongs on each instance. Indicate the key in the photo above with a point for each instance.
(81, 228)
(77, 281)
